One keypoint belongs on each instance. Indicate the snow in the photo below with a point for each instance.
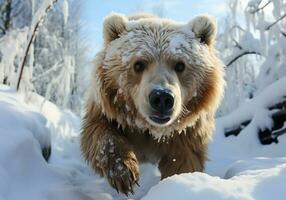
(263, 183)
(253, 4)
(249, 43)
(26, 128)
(176, 44)
(10, 47)
(65, 11)
(18, 117)
(269, 96)
(239, 167)
(233, 172)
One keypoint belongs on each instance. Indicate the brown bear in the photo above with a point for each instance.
(154, 91)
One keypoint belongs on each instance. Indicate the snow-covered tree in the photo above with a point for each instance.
(250, 45)
(55, 58)
(60, 56)
(260, 106)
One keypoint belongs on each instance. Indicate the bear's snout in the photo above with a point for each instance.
(162, 103)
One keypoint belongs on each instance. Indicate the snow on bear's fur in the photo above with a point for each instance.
(154, 91)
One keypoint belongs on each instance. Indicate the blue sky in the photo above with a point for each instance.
(94, 11)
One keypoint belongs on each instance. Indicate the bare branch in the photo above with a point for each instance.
(241, 55)
(261, 8)
(272, 24)
(34, 33)
(237, 44)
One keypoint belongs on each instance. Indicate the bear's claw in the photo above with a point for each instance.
(124, 175)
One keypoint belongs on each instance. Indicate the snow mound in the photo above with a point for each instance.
(17, 120)
(24, 173)
(249, 180)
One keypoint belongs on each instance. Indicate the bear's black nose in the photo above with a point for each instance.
(161, 101)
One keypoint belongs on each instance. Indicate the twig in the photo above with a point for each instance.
(34, 33)
(241, 55)
(261, 8)
(237, 44)
(272, 24)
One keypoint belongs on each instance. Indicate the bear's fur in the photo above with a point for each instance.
(116, 132)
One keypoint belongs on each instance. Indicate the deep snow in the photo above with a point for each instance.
(24, 174)
(239, 167)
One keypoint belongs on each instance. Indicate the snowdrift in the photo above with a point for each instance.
(27, 128)
(257, 179)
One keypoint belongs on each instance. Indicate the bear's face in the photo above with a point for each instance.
(155, 71)
(160, 71)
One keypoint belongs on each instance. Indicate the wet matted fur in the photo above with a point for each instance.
(117, 133)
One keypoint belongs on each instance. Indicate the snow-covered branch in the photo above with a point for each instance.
(278, 118)
(235, 58)
(275, 22)
(260, 8)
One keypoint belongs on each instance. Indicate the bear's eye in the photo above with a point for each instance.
(179, 67)
(139, 66)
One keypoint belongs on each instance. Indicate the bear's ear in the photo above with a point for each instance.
(113, 26)
(205, 28)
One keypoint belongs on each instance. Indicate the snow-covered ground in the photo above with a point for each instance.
(239, 167)
(25, 128)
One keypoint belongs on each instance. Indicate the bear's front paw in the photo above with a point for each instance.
(123, 173)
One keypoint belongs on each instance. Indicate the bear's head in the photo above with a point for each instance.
(157, 74)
